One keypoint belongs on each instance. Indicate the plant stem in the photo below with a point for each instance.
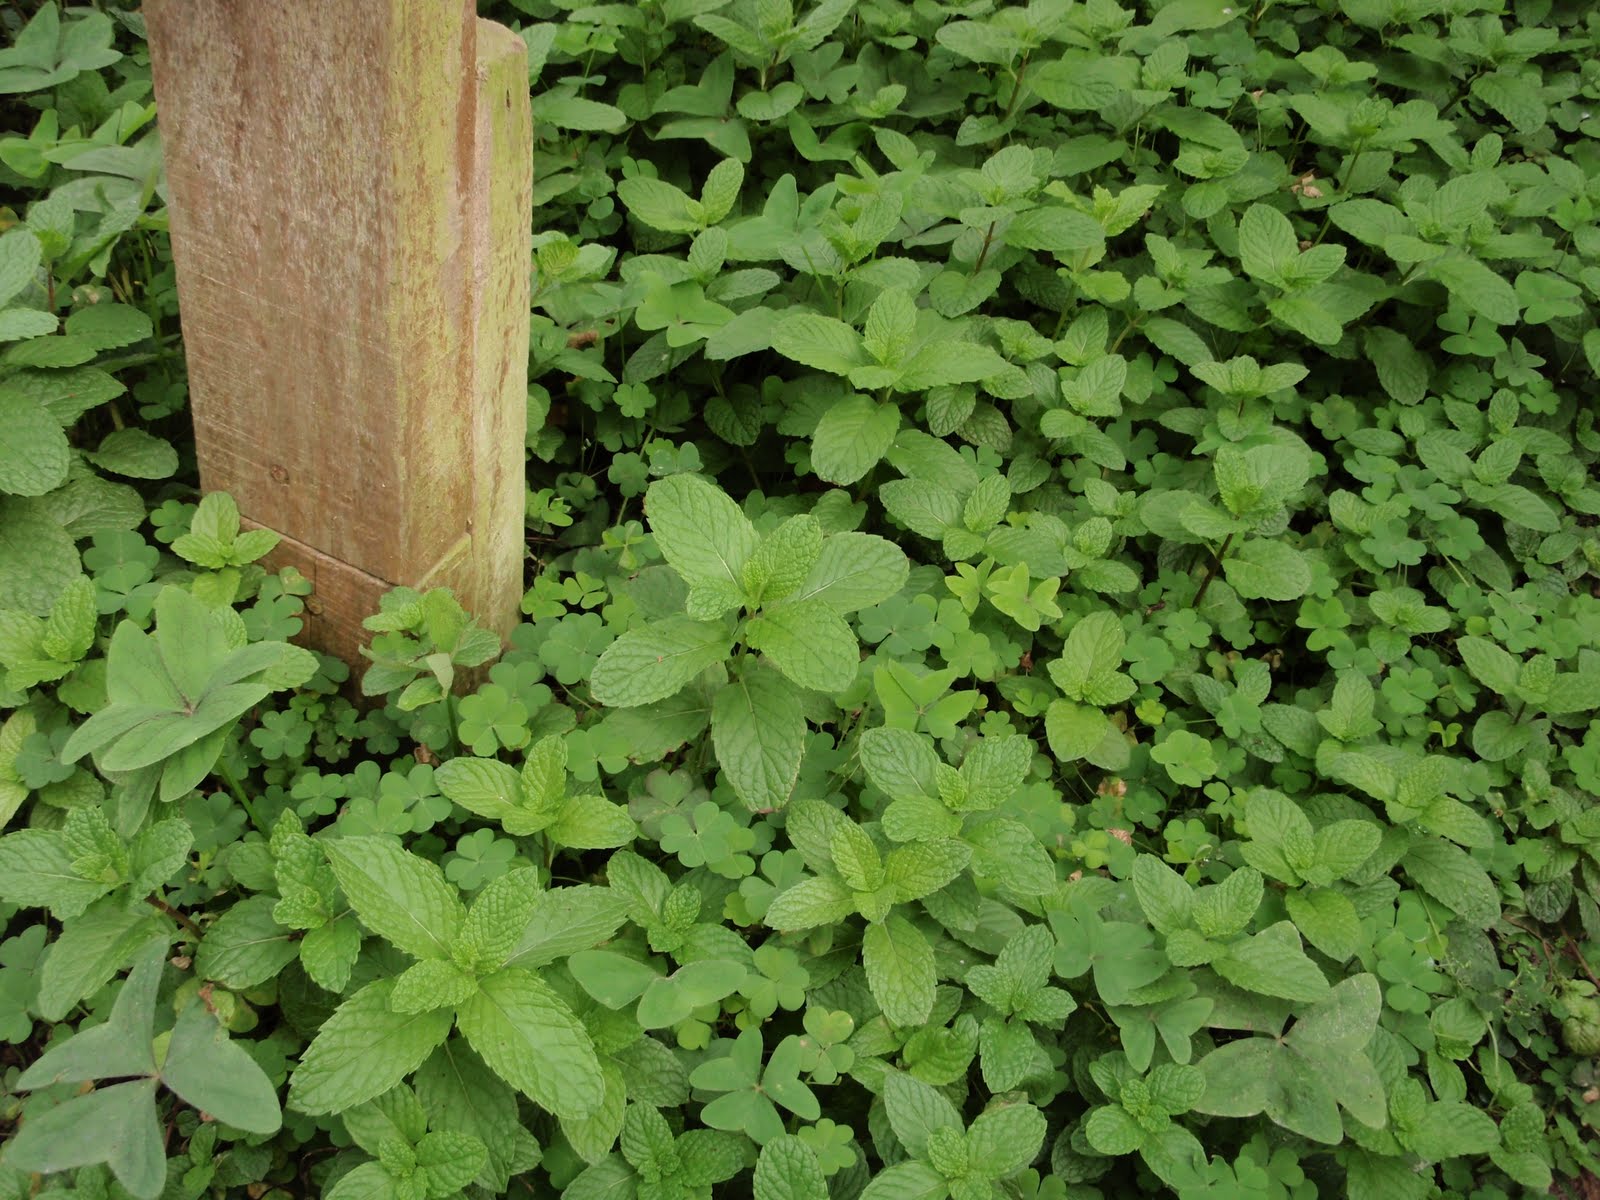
(1339, 188)
(450, 716)
(232, 781)
(983, 251)
(1212, 570)
(1016, 91)
(1133, 323)
(156, 902)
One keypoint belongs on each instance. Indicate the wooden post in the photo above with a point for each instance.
(350, 189)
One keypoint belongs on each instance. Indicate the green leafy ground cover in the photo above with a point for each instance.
(1062, 642)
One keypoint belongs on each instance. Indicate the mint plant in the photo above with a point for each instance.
(1059, 655)
(467, 974)
(778, 600)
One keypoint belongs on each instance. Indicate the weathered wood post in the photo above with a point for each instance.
(350, 189)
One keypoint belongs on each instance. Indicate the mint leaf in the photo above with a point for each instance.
(809, 642)
(1260, 569)
(1451, 876)
(1268, 247)
(810, 903)
(656, 661)
(900, 970)
(852, 437)
(916, 1111)
(788, 1170)
(853, 571)
(1273, 964)
(398, 896)
(758, 729)
(530, 1038)
(698, 529)
(820, 342)
(33, 448)
(363, 1050)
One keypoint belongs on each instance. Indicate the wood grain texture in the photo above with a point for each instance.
(500, 295)
(349, 189)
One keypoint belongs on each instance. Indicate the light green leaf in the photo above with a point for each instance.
(758, 729)
(942, 363)
(115, 1125)
(1063, 232)
(245, 946)
(18, 323)
(37, 556)
(614, 979)
(461, 1095)
(824, 900)
(1340, 848)
(1267, 244)
(923, 867)
(365, 1181)
(809, 642)
(36, 871)
(654, 202)
(481, 785)
(400, 897)
(592, 823)
(110, 326)
(120, 1045)
(430, 983)
(1225, 909)
(907, 1181)
(1110, 1130)
(136, 454)
(1273, 964)
(853, 435)
(1263, 570)
(1451, 876)
(855, 570)
(855, 857)
(1402, 369)
(922, 506)
(1491, 665)
(575, 112)
(784, 559)
(916, 1110)
(527, 1035)
(1074, 730)
(498, 917)
(363, 1050)
(1004, 1139)
(33, 447)
(668, 1001)
(820, 342)
(328, 953)
(566, 920)
(447, 1162)
(206, 1069)
(1327, 920)
(1477, 286)
(657, 660)
(1166, 899)
(900, 970)
(20, 259)
(90, 950)
(698, 529)
(788, 1170)
(594, 1136)
(900, 762)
